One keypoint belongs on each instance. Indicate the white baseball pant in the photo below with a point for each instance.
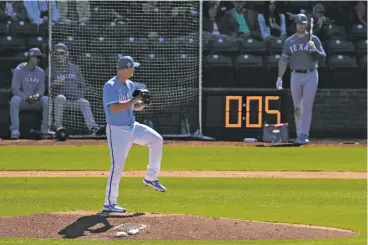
(120, 139)
(80, 104)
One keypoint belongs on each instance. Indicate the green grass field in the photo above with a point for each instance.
(188, 158)
(326, 202)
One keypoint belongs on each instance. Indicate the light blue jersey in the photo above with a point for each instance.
(113, 92)
(122, 131)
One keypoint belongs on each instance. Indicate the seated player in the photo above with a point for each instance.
(69, 87)
(28, 88)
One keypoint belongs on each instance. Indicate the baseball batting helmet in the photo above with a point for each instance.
(35, 52)
(301, 18)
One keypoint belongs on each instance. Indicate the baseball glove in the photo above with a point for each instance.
(145, 94)
(33, 98)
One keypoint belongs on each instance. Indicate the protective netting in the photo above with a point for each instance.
(163, 36)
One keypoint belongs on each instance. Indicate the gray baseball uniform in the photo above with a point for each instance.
(68, 88)
(304, 76)
(27, 82)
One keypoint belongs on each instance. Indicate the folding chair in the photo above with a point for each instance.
(344, 72)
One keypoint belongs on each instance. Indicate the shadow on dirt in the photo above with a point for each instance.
(85, 224)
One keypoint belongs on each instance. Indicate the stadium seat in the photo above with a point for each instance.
(159, 45)
(359, 32)
(189, 42)
(361, 48)
(340, 47)
(10, 43)
(11, 62)
(103, 44)
(87, 30)
(363, 71)
(23, 29)
(135, 47)
(249, 71)
(185, 61)
(76, 44)
(206, 42)
(93, 68)
(116, 30)
(61, 32)
(37, 41)
(275, 45)
(344, 72)
(152, 62)
(4, 29)
(336, 32)
(218, 71)
(224, 45)
(6, 76)
(43, 30)
(252, 46)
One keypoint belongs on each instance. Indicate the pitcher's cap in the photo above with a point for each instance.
(125, 62)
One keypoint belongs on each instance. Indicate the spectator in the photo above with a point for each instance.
(28, 88)
(82, 7)
(111, 11)
(211, 20)
(223, 7)
(358, 14)
(38, 11)
(321, 22)
(69, 88)
(272, 22)
(240, 21)
(183, 17)
(337, 12)
(13, 11)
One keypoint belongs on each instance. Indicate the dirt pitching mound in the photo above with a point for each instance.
(100, 226)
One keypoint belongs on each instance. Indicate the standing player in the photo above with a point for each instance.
(303, 53)
(122, 131)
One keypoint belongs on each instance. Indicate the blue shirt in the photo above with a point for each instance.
(114, 92)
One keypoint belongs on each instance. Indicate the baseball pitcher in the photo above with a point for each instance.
(303, 51)
(28, 88)
(68, 87)
(121, 97)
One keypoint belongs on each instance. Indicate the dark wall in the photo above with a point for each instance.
(337, 113)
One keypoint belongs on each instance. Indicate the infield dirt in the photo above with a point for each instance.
(97, 226)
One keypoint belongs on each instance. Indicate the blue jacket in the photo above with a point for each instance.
(34, 12)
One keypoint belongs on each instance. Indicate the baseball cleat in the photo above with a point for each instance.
(113, 208)
(15, 134)
(302, 140)
(155, 184)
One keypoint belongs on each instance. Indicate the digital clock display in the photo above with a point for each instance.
(240, 114)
